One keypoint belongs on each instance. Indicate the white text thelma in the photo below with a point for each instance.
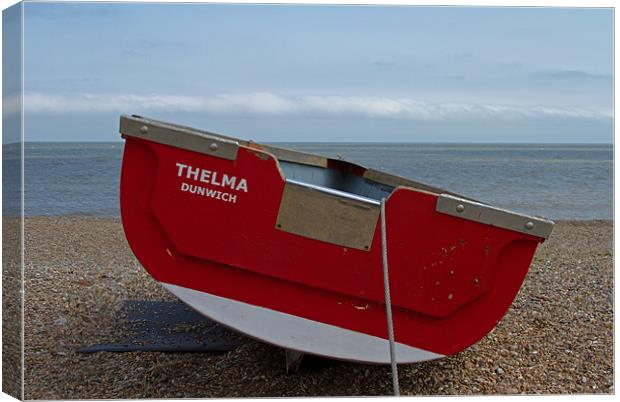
(226, 182)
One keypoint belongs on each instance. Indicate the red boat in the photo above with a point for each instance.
(286, 246)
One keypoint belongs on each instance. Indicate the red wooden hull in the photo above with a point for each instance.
(451, 279)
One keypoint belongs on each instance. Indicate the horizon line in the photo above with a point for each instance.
(353, 142)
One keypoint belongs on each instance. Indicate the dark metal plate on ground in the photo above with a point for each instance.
(162, 326)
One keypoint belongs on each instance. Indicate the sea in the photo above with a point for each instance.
(557, 181)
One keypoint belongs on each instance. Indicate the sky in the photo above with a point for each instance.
(320, 73)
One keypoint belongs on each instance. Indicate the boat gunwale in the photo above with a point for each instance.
(541, 227)
(287, 155)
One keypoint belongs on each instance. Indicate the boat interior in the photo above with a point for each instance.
(343, 181)
(337, 176)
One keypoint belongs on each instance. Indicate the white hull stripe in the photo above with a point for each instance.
(292, 332)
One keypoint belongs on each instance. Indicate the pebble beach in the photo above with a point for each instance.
(557, 338)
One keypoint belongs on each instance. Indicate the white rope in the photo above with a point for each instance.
(388, 302)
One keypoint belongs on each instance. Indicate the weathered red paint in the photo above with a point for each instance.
(451, 279)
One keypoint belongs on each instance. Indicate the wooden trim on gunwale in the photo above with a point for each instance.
(283, 154)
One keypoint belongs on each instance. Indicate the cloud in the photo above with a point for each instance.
(11, 104)
(570, 75)
(265, 103)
